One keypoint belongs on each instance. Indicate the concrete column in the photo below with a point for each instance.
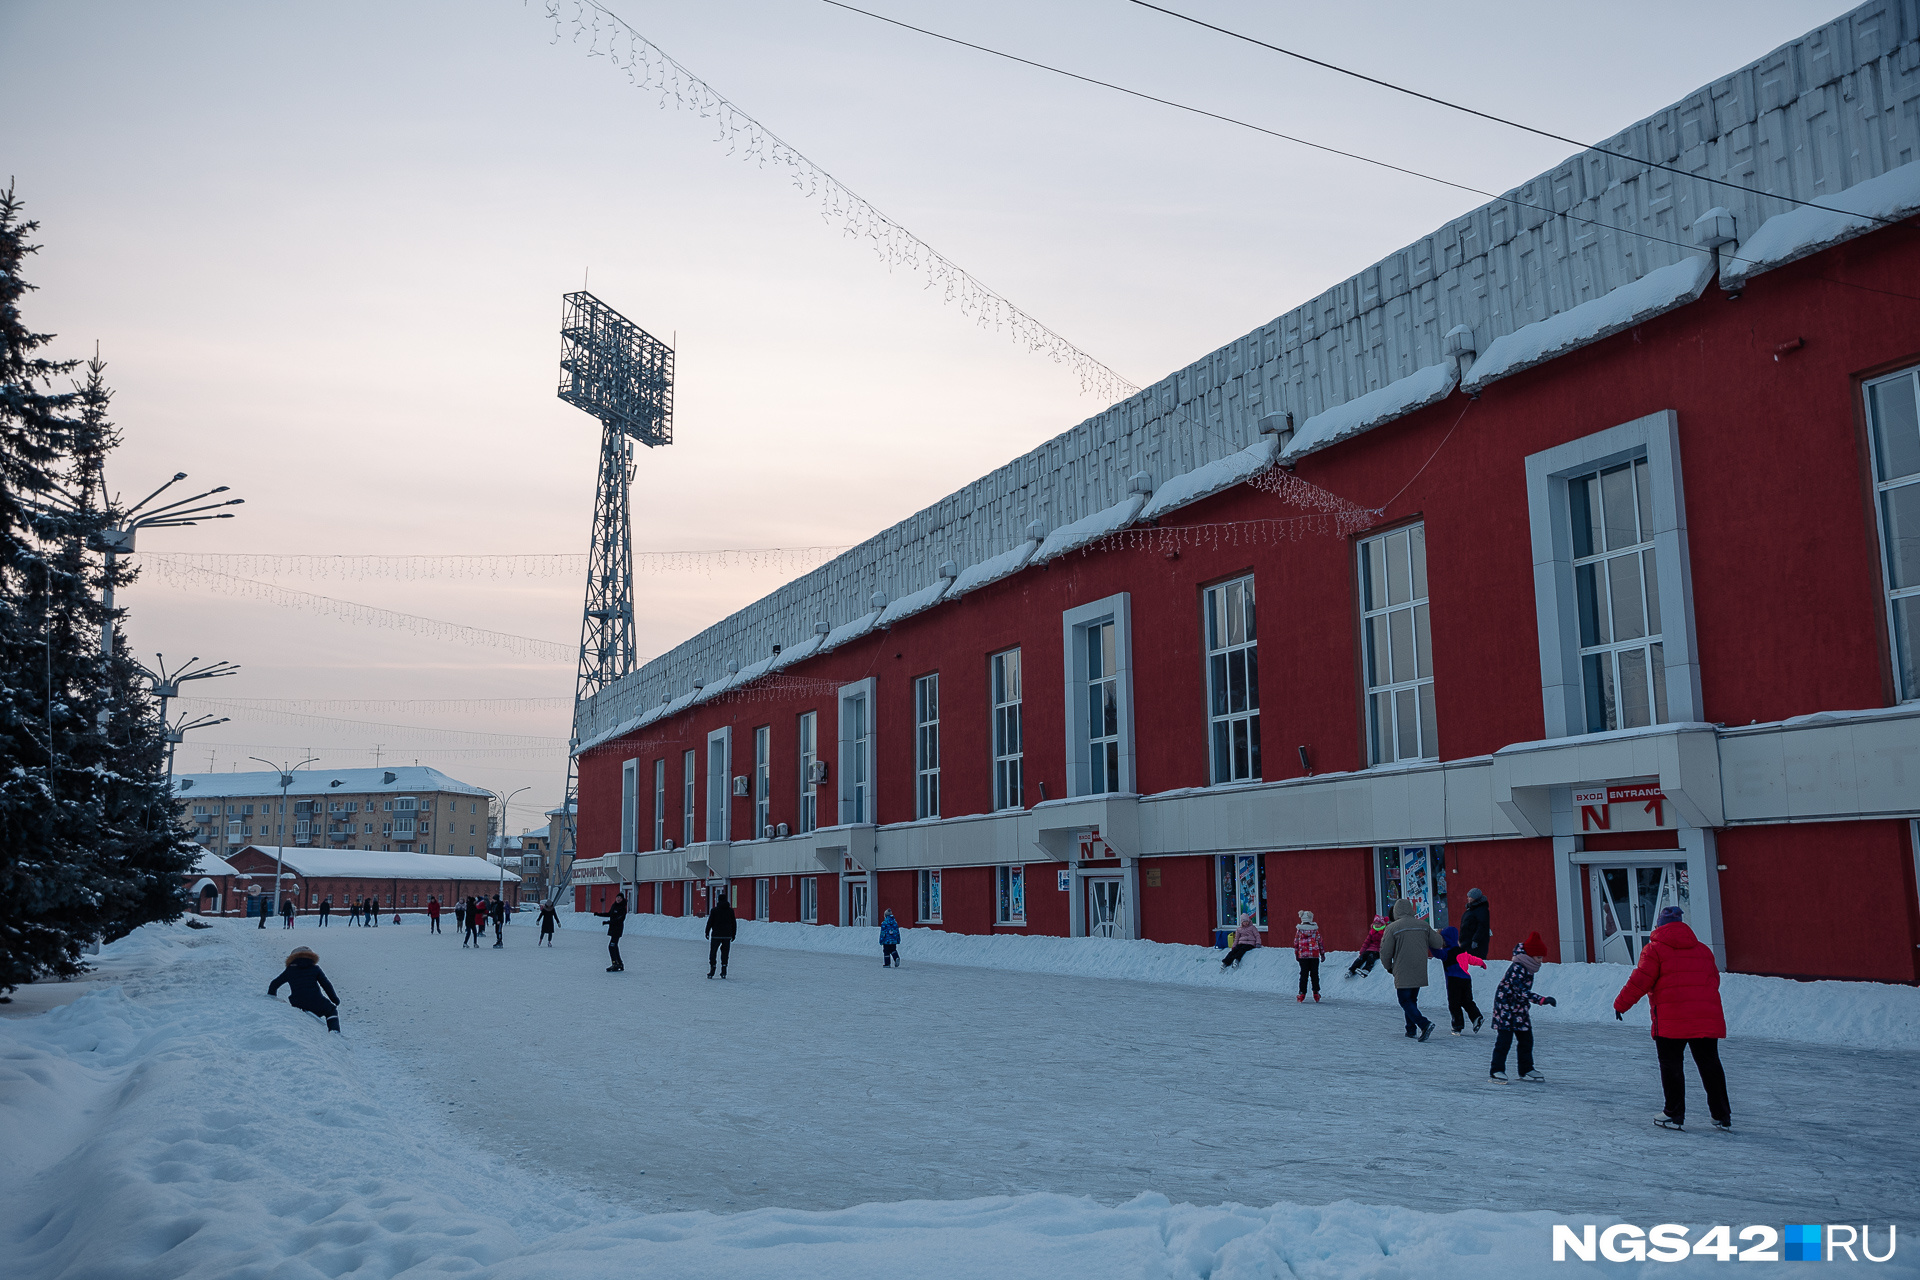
(1076, 900)
(1701, 853)
(1130, 892)
(1569, 876)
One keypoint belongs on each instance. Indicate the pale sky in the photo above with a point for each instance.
(322, 248)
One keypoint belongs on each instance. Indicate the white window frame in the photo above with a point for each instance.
(928, 897)
(762, 781)
(808, 730)
(762, 899)
(686, 897)
(629, 806)
(1613, 655)
(1378, 621)
(857, 793)
(689, 771)
(809, 900)
(1005, 729)
(660, 803)
(1217, 662)
(1656, 437)
(405, 804)
(1010, 894)
(1230, 885)
(1906, 678)
(720, 784)
(926, 746)
(1085, 737)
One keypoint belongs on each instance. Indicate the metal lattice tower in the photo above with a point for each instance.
(622, 375)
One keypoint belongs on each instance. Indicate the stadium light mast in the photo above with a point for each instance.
(622, 375)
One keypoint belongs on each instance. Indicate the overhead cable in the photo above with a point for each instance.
(530, 741)
(530, 564)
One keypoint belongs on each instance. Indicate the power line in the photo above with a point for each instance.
(474, 706)
(528, 741)
(1487, 115)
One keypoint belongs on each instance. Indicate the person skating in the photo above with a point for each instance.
(1369, 950)
(722, 927)
(889, 940)
(476, 920)
(1246, 939)
(1678, 976)
(499, 921)
(1307, 950)
(1513, 1002)
(326, 910)
(1460, 1006)
(1406, 946)
(616, 917)
(433, 914)
(373, 911)
(460, 920)
(1476, 924)
(286, 913)
(307, 982)
(549, 921)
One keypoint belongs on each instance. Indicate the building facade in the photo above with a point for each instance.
(1568, 554)
(402, 883)
(405, 809)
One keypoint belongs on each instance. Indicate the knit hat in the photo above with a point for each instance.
(1534, 946)
(1306, 917)
(1668, 915)
(1379, 922)
(302, 953)
(1474, 895)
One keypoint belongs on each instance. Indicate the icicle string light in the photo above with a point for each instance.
(418, 733)
(469, 567)
(457, 706)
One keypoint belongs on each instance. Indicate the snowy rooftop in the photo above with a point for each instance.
(383, 866)
(1808, 121)
(208, 864)
(410, 779)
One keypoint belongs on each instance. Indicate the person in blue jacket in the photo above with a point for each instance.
(1460, 1005)
(889, 940)
(307, 982)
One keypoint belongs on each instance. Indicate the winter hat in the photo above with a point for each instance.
(1668, 915)
(1474, 895)
(1306, 917)
(1379, 922)
(1452, 935)
(302, 953)
(1533, 946)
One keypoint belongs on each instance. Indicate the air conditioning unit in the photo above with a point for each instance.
(766, 832)
(817, 771)
(781, 830)
(740, 784)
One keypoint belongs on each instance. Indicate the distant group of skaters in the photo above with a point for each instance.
(1676, 974)
(360, 911)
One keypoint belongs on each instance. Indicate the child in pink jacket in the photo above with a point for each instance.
(1308, 950)
(1369, 950)
(1245, 939)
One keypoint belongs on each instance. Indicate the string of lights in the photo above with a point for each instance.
(423, 733)
(458, 706)
(536, 564)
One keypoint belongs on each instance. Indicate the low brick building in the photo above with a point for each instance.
(399, 882)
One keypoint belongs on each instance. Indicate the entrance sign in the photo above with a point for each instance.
(1639, 806)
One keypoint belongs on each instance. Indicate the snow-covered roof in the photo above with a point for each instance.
(538, 833)
(1090, 529)
(402, 779)
(915, 602)
(382, 866)
(1586, 231)
(1382, 405)
(209, 864)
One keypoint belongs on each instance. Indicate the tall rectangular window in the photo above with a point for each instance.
(809, 900)
(929, 897)
(762, 781)
(719, 784)
(1103, 710)
(660, 803)
(1233, 682)
(809, 783)
(688, 763)
(1004, 681)
(1893, 416)
(1009, 895)
(629, 806)
(856, 753)
(1241, 889)
(1617, 597)
(1399, 655)
(926, 746)
(762, 899)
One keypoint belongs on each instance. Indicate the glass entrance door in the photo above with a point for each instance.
(857, 903)
(1105, 901)
(1626, 902)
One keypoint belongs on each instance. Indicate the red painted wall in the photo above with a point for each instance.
(1820, 900)
(1335, 884)
(1751, 427)
(1517, 877)
(1180, 908)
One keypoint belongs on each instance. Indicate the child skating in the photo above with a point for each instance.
(1369, 950)
(1460, 1005)
(1513, 1011)
(1307, 950)
(889, 941)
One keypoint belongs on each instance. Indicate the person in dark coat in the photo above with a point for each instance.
(889, 940)
(286, 913)
(1460, 1005)
(476, 921)
(1682, 985)
(549, 921)
(460, 921)
(326, 909)
(1476, 925)
(722, 928)
(1405, 948)
(616, 917)
(309, 988)
(433, 914)
(499, 912)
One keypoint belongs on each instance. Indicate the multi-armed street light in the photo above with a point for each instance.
(166, 686)
(500, 858)
(279, 849)
(119, 539)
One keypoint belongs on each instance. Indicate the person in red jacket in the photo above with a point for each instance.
(1307, 950)
(433, 914)
(1682, 985)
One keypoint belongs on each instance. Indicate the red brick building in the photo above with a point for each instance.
(400, 882)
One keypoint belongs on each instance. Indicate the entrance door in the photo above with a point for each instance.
(857, 903)
(1105, 902)
(1626, 902)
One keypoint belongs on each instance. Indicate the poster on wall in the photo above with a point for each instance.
(1247, 887)
(1416, 879)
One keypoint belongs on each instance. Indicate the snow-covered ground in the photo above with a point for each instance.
(521, 1113)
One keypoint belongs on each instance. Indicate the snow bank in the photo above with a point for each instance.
(914, 602)
(1091, 528)
(1787, 237)
(1205, 481)
(1376, 408)
(1655, 293)
(975, 576)
(1868, 1015)
(403, 866)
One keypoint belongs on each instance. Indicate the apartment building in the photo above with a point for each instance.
(405, 809)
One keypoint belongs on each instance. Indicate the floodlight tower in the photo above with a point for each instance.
(622, 375)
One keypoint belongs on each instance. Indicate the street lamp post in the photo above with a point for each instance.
(166, 685)
(115, 541)
(279, 848)
(505, 799)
